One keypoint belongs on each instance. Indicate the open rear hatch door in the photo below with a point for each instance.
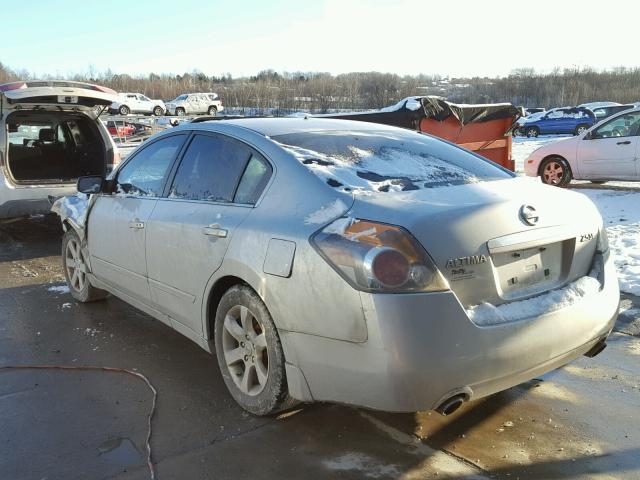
(63, 95)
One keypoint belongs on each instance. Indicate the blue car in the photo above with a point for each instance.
(574, 120)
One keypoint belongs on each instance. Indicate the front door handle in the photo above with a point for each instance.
(214, 230)
(626, 142)
(136, 224)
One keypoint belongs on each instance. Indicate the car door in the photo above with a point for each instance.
(548, 123)
(132, 102)
(192, 104)
(563, 121)
(611, 150)
(117, 222)
(215, 185)
(203, 103)
(144, 104)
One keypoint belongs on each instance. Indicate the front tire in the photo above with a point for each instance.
(157, 111)
(532, 132)
(74, 265)
(213, 111)
(555, 171)
(580, 129)
(180, 112)
(124, 110)
(249, 352)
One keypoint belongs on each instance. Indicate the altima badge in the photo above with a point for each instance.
(528, 215)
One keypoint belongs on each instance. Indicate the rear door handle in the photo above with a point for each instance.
(136, 224)
(214, 230)
(626, 142)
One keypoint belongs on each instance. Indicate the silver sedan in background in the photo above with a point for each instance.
(331, 260)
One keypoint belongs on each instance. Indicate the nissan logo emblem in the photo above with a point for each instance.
(528, 215)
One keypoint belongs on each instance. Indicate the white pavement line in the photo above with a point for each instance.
(441, 462)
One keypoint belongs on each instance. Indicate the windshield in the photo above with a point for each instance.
(387, 161)
(180, 97)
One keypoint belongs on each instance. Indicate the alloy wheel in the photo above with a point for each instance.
(75, 265)
(553, 173)
(244, 345)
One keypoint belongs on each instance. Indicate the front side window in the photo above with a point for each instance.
(622, 126)
(210, 169)
(145, 173)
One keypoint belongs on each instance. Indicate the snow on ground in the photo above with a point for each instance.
(59, 289)
(621, 213)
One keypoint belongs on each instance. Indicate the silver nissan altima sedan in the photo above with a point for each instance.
(332, 260)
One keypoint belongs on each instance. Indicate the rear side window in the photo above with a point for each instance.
(255, 178)
(387, 160)
(210, 170)
(145, 173)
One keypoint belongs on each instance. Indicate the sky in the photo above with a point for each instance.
(452, 38)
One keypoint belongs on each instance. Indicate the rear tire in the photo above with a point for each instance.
(555, 171)
(74, 265)
(249, 352)
(157, 111)
(124, 110)
(532, 132)
(180, 112)
(213, 111)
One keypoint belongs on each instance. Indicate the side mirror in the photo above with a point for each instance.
(90, 184)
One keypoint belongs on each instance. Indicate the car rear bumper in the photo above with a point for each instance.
(20, 201)
(422, 349)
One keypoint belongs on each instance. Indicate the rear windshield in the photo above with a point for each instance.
(387, 161)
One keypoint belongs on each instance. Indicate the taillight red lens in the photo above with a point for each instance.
(378, 257)
(390, 267)
(12, 86)
(102, 89)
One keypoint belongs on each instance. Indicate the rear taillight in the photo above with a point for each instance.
(100, 88)
(376, 257)
(12, 86)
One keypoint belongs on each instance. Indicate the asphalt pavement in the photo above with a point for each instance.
(581, 421)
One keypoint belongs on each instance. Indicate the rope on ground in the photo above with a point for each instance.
(104, 369)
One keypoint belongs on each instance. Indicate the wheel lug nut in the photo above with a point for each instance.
(253, 359)
(246, 358)
(242, 344)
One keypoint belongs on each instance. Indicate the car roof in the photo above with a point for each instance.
(272, 127)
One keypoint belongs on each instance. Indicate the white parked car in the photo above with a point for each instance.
(50, 135)
(195, 103)
(137, 103)
(607, 151)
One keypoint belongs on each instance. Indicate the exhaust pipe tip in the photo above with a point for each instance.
(450, 405)
(596, 349)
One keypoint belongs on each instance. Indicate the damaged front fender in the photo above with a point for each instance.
(73, 210)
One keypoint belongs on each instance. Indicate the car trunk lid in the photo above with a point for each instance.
(487, 243)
